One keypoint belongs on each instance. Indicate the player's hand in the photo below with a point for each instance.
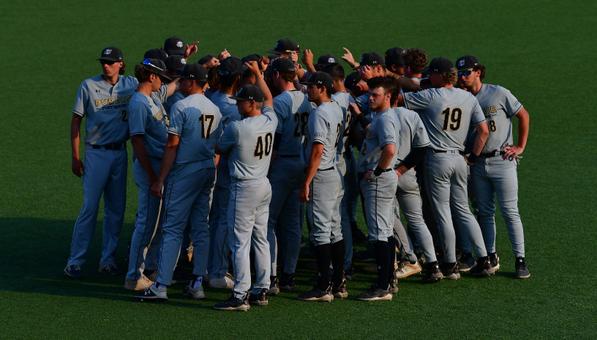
(308, 57)
(77, 167)
(191, 49)
(264, 62)
(347, 56)
(156, 188)
(369, 175)
(254, 67)
(366, 72)
(401, 170)
(224, 54)
(304, 193)
(355, 109)
(512, 152)
(214, 62)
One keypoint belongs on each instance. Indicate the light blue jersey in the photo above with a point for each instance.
(498, 105)
(227, 107)
(147, 117)
(196, 120)
(412, 132)
(447, 113)
(104, 107)
(324, 127)
(176, 96)
(250, 142)
(292, 109)
(384, 129)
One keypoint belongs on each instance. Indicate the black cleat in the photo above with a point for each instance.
(340, 291)
(522, 271)
(450, 271)
(233, 304)
(431, 272)
(152, 294)
(482, 268)
(376, 294)
(466, 262)
(317, 294)
(72, 271)
(274, 289)
(287, 282)
(259, 298)
(494, 263)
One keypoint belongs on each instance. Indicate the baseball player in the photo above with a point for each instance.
(229, 73)
(494, 172)
(188, 163)
(378, 183)
(249, 143)
(292, 107)
(102, 100)
(321, 189)
(147, 127)
(416, 61)
(448, 113)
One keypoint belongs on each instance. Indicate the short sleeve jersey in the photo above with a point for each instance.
(197, 121)
(413, 133)
(147, 117)
(343, 99)
(104, 107)
(384, 129)
(227, 107)
(249, 143)
(499, 106)
(324, 127)
(176, 96)
(292, 109)
(448, 114)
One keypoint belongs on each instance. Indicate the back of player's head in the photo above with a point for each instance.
(229, 72)
(336, 71)
(394, 57)
(351, 82)
(445, 68)
(371, 59)
(416, 60)
(285, 45)
(470, 62)
(321, 80)
(285, 68)
(175, 64)
(325, 60)
(195, 72)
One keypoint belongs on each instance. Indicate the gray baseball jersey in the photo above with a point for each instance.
(105, 108)
(292, 109)
(447, 114)
(324, 127)
(384, 129)
(147, 117)
(499, 105)
(343, 99)
(250, 141)
(413, 133)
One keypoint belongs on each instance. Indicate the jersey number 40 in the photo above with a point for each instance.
(264, 146)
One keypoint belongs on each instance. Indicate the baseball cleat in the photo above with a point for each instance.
(340, 291)
(450, 271)
(466, 262)
(109, 269)
(73, 271)
(259, 298)
(233, 304)
(494, 263)
(394, 288)
(431, 272)
(224, 282)
(274, 289)
(375, 294)
(287, 282)
(317, 294)
(522, 271)
(482, 267)
(153, 294)
(138, 285)
(194, 290)
(406, 269)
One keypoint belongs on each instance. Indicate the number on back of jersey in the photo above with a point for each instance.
(263, 146)
(206, 125)
(452, 118)
(300, 123)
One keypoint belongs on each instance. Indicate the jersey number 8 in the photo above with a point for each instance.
(263, 147)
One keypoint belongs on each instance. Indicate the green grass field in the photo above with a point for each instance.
(540, 50)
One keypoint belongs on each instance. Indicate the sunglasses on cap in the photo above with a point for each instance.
(465, 73)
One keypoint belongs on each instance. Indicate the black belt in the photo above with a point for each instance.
(491, 154)
(446, 151)
(111, 146)
(330, 168)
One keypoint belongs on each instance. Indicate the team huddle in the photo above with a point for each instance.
(231, 155)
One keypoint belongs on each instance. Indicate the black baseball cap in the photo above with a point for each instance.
(283, 65)
(468, 61)
(352, 80)
(395, 56)
(195, 72)
(174, 45)
(371, 59)
(326, 59)
(156, 66)
(319, 78)
(249, 92)
(113, 54)
(251, 57)
(440, 65)
(156, 53)
(230, 66)
(285, 45)
(175, 64)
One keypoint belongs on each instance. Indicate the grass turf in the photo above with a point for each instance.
(48, 47)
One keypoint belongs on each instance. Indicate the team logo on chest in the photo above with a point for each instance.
(490, 110)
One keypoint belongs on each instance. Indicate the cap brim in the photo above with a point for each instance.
(109, 59)
(238, 98)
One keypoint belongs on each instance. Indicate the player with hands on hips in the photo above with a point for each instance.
(249, 143)
(102, 100)
(494, 172)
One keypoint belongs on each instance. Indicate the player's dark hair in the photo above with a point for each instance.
(122, 69)
(416, 59)
(450, 77)
(287, 76)
(336, 71)
(389, 84)
(213, 78)
(480, 68)
(141, 73)
(228, 81)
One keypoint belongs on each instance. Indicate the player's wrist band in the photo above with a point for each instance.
(378, 171)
